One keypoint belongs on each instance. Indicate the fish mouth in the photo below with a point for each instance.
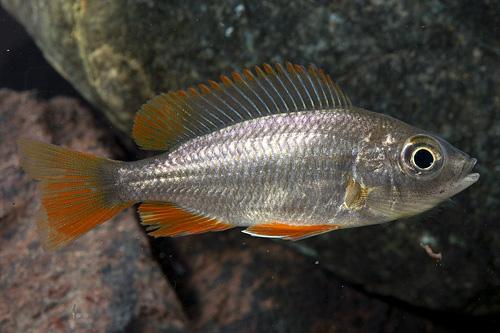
(466, 174)
(466, 178)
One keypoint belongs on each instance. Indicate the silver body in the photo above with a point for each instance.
(281, 150)
(292, 168)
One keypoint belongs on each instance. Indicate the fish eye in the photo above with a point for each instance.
(421, 157)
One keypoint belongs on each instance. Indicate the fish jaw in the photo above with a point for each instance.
(467, 177)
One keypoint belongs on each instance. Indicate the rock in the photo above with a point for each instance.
(430, 64)
(104, 281)
(234, 283)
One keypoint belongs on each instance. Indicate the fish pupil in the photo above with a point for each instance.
(423, 158)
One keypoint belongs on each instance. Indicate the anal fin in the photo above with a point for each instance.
(288, 231)
(166, 219)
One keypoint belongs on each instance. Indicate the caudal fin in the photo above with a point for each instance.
(76, 189)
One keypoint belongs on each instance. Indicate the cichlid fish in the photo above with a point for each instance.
(280, 151)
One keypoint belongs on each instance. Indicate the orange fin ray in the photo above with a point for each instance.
(288, 231)
(165, 219)
(75, 196)
(170, 119)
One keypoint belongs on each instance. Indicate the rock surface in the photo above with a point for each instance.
(430, 63)
(233, 283)
(108, 281)
(105, 281)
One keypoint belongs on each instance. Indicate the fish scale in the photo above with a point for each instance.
(280, 150)
(276, 160)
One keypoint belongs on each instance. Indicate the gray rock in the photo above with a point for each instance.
(234, 283)
(432, 64)
(105, 281)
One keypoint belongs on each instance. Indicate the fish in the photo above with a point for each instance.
(279, 150)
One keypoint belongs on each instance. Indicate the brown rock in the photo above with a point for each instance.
(106, 280)
(231, 282)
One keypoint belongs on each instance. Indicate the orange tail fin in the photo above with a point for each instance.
(77, 192)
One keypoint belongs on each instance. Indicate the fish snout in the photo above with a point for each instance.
(466, 173)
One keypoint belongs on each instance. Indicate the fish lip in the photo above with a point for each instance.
(472, 177)
(466, 171)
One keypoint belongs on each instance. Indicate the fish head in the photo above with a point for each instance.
(421, 171)
(432, 167)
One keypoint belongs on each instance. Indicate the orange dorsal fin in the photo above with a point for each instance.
(165, 219)
(288, 231)
(175, 117)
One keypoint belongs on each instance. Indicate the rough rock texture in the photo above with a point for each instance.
(232, 283)
(105, 281)
(431, 63)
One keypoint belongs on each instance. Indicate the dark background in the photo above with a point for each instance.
(22, 65)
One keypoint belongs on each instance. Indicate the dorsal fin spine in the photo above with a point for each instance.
(333, 89)
(228, 83)
(155, 117)
(205, 95)
(299, 74)
(294, 92)
(176, 117)
(237, 78)
(259, 72)
(330, 92)
(193, 91)
(214, 117)
(314, 77)
(175, 100)
(180, 100)
(221, 105)
(276, 107)
(288, 75)
(314, 73)
(214, 84)
(171, 97)
(258, 84)
(345, 99)
(214, 114)
(307, 78)
(268, 69)
(339, 92)
(251, 86)
(216, 96)
(188, 102)
(236, 103)
(243, 82)
(204, 88)
(271, 84)
(348, 102)
(235, 85)
(248, 74)
(291, 71)
(225, 80)
(269, 80)
(301, 87)
(288, 94)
